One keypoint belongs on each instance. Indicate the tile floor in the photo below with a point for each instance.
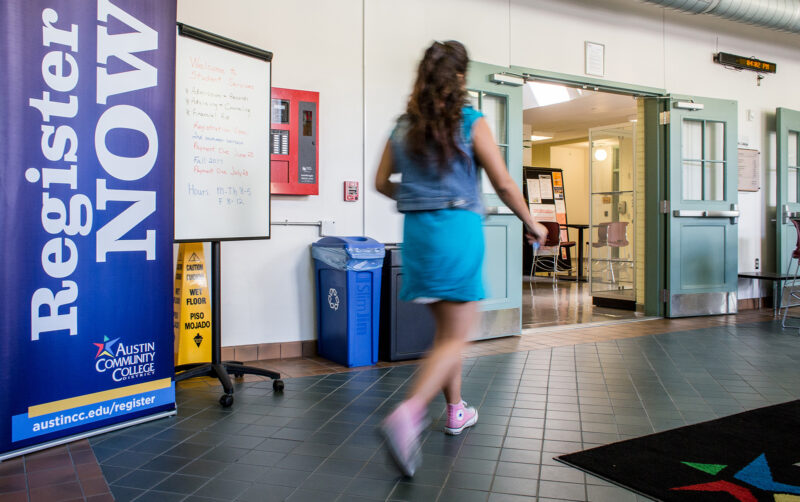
(318, 440)
(69, 472)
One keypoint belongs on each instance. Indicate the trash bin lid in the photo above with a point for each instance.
(364, 248)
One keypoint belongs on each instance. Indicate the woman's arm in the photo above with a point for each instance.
(489, 157)
(382, 182)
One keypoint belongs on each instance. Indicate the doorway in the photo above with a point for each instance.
(581, 165)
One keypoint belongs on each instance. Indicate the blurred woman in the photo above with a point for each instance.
(437, 146)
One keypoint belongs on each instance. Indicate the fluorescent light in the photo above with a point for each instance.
(534, 137)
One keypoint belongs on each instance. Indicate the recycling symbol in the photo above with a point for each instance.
(333, 299)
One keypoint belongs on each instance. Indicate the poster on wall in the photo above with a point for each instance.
(546, 186)
(534, 196)
(87, 140)
(543, 212)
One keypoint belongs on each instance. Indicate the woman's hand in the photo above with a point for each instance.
(535, 232)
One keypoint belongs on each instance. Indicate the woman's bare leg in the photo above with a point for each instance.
(441, 369)
(452, 388)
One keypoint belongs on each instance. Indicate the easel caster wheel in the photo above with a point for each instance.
(226, 400)
(277, 385)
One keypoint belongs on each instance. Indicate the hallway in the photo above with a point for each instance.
(318, 440)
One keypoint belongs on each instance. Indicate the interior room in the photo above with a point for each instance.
(580, 158)
(203, 266)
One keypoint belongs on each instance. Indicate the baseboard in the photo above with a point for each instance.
(267, 351)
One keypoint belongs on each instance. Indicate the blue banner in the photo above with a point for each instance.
(86, 142)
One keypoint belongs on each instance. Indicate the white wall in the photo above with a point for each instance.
(361, 56)
(574, 162)
(267, 287)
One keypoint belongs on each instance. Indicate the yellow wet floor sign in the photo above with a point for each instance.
(192, 309)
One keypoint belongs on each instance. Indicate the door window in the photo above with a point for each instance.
(703, 160)
(495, 111)
(792, 167)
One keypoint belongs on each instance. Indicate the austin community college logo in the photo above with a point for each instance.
(125, 362)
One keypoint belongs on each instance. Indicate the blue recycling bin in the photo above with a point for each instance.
(348, 279)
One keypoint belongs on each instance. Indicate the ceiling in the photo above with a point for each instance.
(572, 119)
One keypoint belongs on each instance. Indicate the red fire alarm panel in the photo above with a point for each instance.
(293, 142)
(351, 191)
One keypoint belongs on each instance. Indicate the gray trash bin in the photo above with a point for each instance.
(407, 328)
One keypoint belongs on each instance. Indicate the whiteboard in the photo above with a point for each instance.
(221, 128)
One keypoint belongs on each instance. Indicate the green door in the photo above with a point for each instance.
(788, 192)
(501, 104)
(702, 210)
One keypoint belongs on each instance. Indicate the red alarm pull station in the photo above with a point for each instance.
(351, 191)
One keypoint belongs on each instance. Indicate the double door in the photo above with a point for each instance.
(692, 244)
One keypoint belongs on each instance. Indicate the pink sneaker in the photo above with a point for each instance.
(401, 429)
(459, 417)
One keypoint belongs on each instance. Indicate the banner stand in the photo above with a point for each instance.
(77, 437)
(86, 343)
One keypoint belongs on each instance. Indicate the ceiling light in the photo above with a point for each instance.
(600, 154)
(535, 137)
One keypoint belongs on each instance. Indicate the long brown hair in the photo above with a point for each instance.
(434, 108)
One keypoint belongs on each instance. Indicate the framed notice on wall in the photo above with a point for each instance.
(749, 170)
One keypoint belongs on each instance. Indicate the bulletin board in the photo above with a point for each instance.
(544, 192)
(222, 122)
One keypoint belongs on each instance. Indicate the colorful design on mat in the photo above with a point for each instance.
(740, 492)
(756, 474)
(781, 497)
(709, 468)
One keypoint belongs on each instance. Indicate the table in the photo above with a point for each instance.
(777, 278)
(581, 227)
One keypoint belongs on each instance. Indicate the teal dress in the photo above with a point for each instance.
(443, 256)
(443, 248)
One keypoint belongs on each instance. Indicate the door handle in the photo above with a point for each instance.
(693, 213)
(733, 213)
(789, 215)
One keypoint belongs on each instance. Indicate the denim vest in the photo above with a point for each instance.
(424, 187)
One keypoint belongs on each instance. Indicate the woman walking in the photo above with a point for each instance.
(437, 146)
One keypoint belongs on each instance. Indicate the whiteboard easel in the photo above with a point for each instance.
(222, 122)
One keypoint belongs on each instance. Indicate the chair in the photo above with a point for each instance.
(602, 242)
(791, 284)
(553, 244)
(611, 234)
(617, 238)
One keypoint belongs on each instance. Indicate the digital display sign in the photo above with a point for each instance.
(744, 63)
